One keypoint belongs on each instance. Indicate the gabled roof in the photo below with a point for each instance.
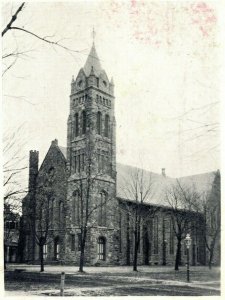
(60, 150)
(92, 61)
(160, 184)
(63, 150)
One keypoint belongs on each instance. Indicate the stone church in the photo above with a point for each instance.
(82, 186)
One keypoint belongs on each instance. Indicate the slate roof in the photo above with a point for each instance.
(92, 61)
(202, 182)
(160, 184)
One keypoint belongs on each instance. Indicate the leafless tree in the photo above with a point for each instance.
(182, 202)
(138, 187)
(210, 207)
(13, 170)
(89, 210)
(13, 167)
(42, 222)
(13, 55)
(36, 216)
(11, 228)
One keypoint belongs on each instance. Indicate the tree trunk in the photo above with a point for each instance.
(211, 258)
(82, 248)
(128, 240)
(5, 258)
(41, 258)
(178, 255)
(135, 256)
(81, 267)
(136, 245)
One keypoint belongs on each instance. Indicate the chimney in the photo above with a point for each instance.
(55, 142)
(164, 172)
(33, 169)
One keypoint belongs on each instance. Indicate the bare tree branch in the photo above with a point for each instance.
(13, 19)
(44, 39)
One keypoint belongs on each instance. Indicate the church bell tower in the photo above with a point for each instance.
(91, 157)
(91, 121)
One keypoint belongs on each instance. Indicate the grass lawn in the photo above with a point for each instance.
(97, 281)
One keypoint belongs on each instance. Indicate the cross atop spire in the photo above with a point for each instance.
(93, 34)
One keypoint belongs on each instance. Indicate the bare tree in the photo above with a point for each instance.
(37, 218)
(210, 207)
(13, 168)
(88, 209)
(42, 220)
(13, 171)
(11, 228)
(13, 55)
(182, 201)
(138, 187)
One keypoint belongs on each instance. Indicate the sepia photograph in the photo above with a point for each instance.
(111, 144)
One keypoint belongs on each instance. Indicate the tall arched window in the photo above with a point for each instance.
(56, 248)
(60, 214)
(107, 126)
(171, 238)
(45, 251)
(73, 209)
(84, 122)
(102, 209)
(101, 248)
(155, 235)
(76, 125)
(76, 208)
(52, 212)
(99, 122)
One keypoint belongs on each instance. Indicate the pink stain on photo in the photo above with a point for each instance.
(204, 17)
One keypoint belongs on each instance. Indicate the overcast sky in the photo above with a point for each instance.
(164, 59)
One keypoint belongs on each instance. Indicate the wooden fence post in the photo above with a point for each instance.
(62, 284)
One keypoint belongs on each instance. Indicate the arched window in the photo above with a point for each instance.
(76, 208)
(171, 238)
(73, 208)
(52, 212)
(84, 122)
(45, 251)
(60, 214)
(155, 235)
(107, 126)
(56, 248)
(101, 248)
(102, 209)
(76, 125)
(99, 122)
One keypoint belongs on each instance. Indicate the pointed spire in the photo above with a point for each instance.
(92, 61)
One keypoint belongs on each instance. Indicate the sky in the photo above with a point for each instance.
(164, 58)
